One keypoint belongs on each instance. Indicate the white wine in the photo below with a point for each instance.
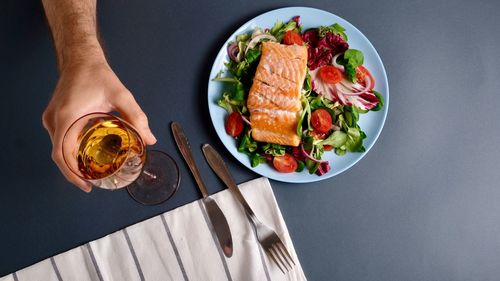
(110, 154)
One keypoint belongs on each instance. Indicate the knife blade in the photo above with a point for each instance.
(215, 214)
(220, 168)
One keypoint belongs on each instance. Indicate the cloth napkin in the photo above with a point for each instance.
(178, 245)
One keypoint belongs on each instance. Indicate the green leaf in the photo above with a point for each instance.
(351, 116)
(306, 109)
(316, 102)
(355, 113)
(241, 47)
(307, 82)
(243, 143)
(354, 141)
(220, 78)
(350, 70)
(252, 55)
(335, 29)
(342, 122)
(300, 166)
(348, 118)
(336, 139)
(239, 92)
(351, 59)
(279, 29)
(311, 166)
(257, 159)
(230, 104)
(354, 56)
(340, 152)
(380, 104)
(274, 149)
(308, 141)
(359, 110)
(318, 152)
(243, 37)
(242, 68)
(246, 143)
(226, 105)
(276, 27)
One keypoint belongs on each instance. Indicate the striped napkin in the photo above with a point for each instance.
(178, 245)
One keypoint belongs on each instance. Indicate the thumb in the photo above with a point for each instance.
(132, 112)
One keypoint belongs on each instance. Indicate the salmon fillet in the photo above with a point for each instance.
(274, 98)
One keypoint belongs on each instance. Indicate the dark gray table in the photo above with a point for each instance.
(424, 204)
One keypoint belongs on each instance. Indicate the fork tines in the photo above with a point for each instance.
(280, 256)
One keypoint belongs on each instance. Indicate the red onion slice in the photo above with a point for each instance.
(232, 51)
(334, 62)
(309, 156)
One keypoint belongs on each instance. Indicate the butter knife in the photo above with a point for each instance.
(217, 164)
(215, 214)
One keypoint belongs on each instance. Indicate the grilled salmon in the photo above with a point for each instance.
(274, 98)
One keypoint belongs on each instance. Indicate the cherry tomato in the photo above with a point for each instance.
(327, 147)
(234, 124)
(291, 37)
(285, 163)
(330, 74)
(321, 120)
(362, 73)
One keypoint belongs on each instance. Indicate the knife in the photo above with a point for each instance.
(217, 164)
(215, 215)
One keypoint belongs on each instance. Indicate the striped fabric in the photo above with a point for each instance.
(177, 245)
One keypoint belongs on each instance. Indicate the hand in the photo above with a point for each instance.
(85, 88)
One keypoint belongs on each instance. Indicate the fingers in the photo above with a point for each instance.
(55, 137)
(68, 174)
(59, 160)
(46, 122)
(132, 112)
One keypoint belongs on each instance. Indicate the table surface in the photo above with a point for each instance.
(422, 205)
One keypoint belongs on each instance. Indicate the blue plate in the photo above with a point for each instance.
(371, 123)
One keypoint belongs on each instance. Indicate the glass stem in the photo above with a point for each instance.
(153, 176)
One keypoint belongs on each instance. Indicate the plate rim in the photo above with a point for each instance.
(297, 9)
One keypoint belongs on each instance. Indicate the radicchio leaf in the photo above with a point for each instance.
(322, 49)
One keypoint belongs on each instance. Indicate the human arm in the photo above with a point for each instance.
(86, 81)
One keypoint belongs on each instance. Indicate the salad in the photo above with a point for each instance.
(336, 90)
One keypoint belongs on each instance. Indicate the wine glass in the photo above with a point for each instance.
(107, 151)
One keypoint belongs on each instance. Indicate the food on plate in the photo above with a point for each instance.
(294, 95)
(234, 124)
(321, 121)
(285, 163)
(274, 98)
(291, 37)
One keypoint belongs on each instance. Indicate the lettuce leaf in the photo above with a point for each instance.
(380, 101)
(334, 28)
(257, 159)
(351, 59)
(252, 55)
(246, 143)
(279, 29)
(354, 141)
(336, 139)
(273, 149)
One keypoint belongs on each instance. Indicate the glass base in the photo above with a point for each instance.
(158, 181)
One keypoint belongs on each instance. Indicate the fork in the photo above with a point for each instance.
(268, 238)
